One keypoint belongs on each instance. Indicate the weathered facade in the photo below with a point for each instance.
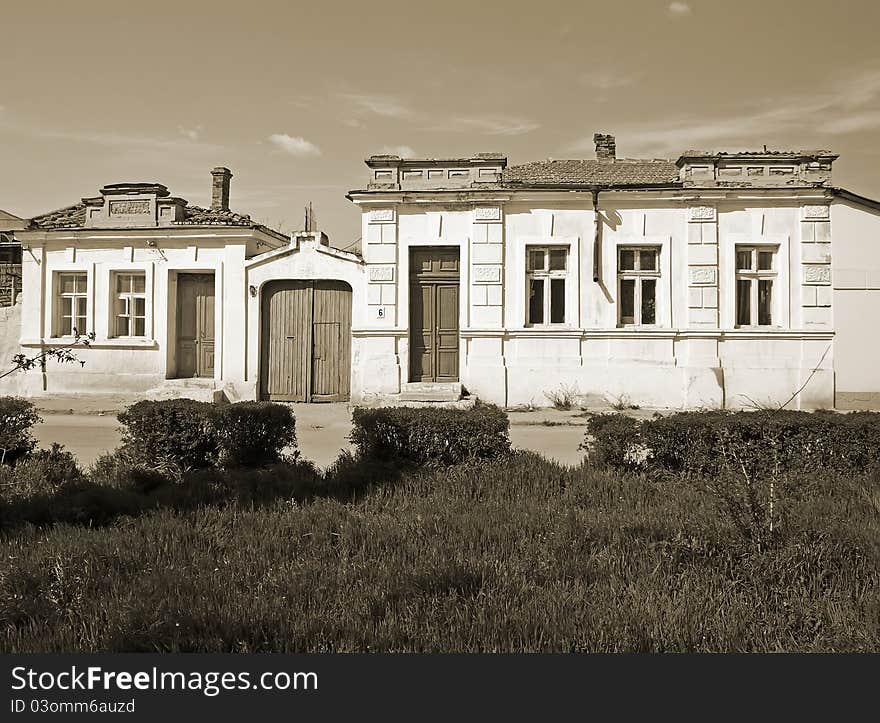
(704, 282)
(717, 280)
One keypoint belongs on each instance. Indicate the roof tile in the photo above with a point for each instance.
(621, 172)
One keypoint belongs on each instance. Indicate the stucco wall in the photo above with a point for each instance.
(130, 365)
(693, 356)
(856, 275)
(10, 331)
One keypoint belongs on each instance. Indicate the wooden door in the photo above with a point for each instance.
(195, 325)
(434, 314)
(306, 341)
(331, 341)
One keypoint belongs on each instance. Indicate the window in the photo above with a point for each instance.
(546, 273)
(638, 270)
(130, 301)
(72, 303)
(755, 277)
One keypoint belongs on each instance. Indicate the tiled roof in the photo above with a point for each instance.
(623, 172)
(75, 217)
(68, 217)
(197, 216)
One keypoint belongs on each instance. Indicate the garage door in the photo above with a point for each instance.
(306, 341)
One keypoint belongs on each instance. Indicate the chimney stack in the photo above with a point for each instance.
(220, 189)
(606, 148)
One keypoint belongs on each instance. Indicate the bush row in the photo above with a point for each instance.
(431, 437)
(706, 442)
(17, 417)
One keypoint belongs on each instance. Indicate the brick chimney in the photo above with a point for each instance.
(220, 189)
(606, 148)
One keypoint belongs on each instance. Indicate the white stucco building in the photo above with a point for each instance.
(716, 280)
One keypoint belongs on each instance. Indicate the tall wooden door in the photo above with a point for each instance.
(195, 325)
(306, 341)
(434, 314)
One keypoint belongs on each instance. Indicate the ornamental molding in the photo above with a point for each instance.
(381, 273)
(487, 213)
(707, 275)
(701, 213)
(382, 215)
(817, 273)
(129, 208)
(487, 274)
(816, 213)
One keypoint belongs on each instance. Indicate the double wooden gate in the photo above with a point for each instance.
(305, 351)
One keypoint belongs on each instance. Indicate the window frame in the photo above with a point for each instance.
(58, 304)
(130, 296)
(547, 275)
(754, 276)
(638, 275)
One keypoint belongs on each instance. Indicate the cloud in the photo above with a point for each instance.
(392, 108)
(191, 133)
(848, 106)
(381, 105)
(679, 9)
(607, 79)
(294, 145)
(402, 151)
(489, 125)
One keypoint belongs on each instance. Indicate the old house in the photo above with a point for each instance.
(715, 280)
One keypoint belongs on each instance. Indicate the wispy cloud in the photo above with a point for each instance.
(844, 107)
(607, 79)
(402, 151)
(679, 9)
(192, 133)
(294, 145)
(490, 125)
(387, 107)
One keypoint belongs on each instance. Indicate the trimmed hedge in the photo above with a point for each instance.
(17, 417)
(431, 437)
(183, 434)
(705, 442)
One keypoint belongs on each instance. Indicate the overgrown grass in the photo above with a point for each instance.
(516, 555)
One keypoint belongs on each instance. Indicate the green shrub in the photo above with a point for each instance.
(17, 417)
(174, 433)
(177, 435)
(612, 439)
(42, 472)
(431, 437)
(754, 443)
(253, 434)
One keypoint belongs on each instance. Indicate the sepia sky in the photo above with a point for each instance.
(293, 96)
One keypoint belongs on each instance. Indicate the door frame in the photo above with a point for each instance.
(438, 279)
(264, 336)
(173, 315)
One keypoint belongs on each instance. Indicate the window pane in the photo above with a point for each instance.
(649, 293)
(627, 260)
(66, 328)
(627, 301)
(121, 326)
(536, 301)
(122, 283)
(648, 260)
(140, 307)
(743, 302)
(557, 301)
(81, 306)
(744, 260)
(67, 283)
(557, 259)
(138, 283)
(765, 260)
(765, 302)
(536, 260)
(139, 327)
